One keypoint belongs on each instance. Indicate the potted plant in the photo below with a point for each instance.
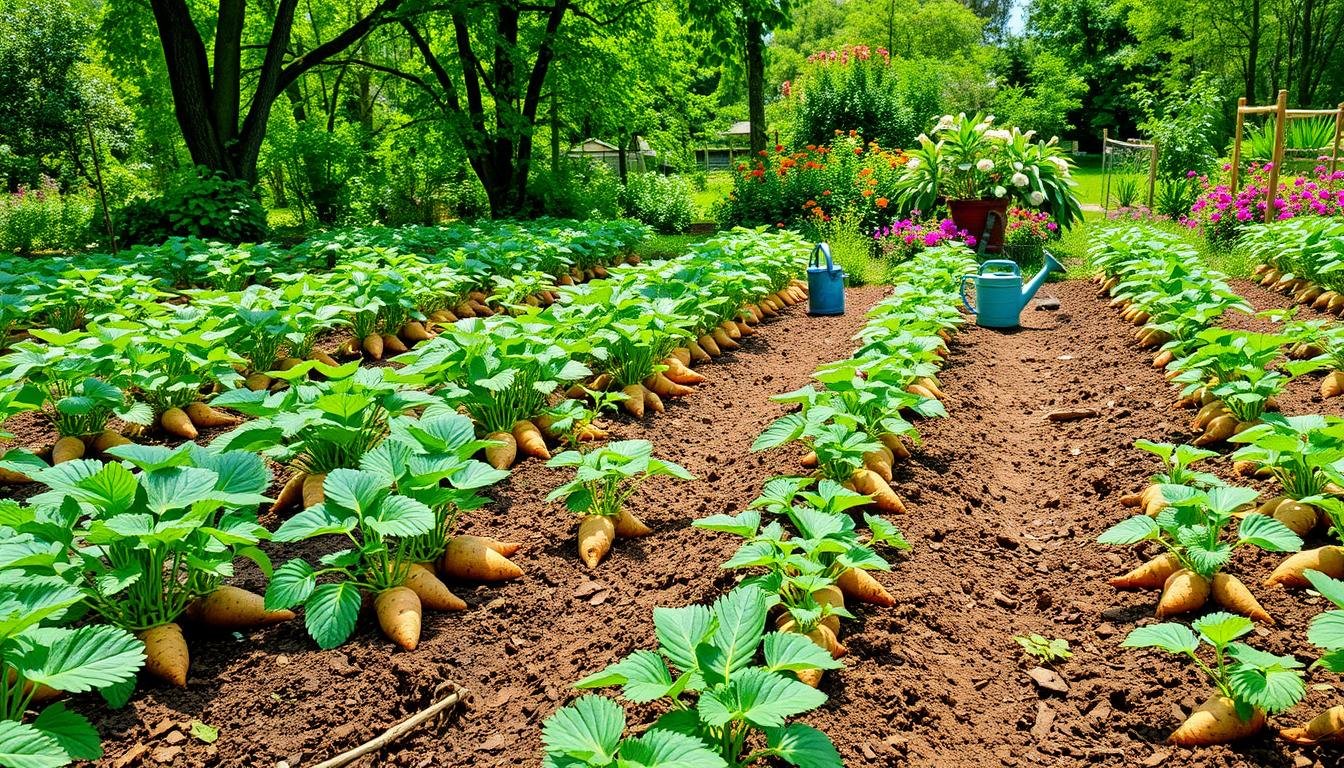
(976, 169)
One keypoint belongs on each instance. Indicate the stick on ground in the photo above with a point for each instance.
(395, 732)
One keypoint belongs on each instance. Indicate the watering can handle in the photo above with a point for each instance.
(964, 301)
(1002, 263)
(822, 248)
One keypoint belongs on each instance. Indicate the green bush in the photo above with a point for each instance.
(662, 202)
(45, 219)
(854, 89)
(204, 205)
(582, 189)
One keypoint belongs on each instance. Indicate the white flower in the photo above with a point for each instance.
(999, 191)
(1036, 198)
(985, 165)
(989, 120)
(1029, 134)
(913, 164)
(1063, 164)
(1020, 179)
(999, 134)
(981, 127)
(921, 138)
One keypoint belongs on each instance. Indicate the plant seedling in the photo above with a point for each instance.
(1045, 650)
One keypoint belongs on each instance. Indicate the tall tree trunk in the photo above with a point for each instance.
(622, 164)
(1304, 79)
(756, 84)
(189, 79)
(555, 133)
(1253, 52)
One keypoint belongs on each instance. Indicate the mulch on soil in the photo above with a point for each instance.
(1005, 507)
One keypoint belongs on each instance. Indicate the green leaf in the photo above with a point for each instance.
(781, 431)
(402, 516)
(1265, 532)
(796, 653)
(1221, 628)
(642, 674)
(740, 616)
(1130, 531)
(1170, 637)
(679, 631)
(316, 520)
(759, 697)
(331, 613)
(589, 730)
(204, 733)
(71, 730)
(89, 657)
(1273, 683)
(24, 746)
(744, 524)
(1327, 630)
(290, 585)
(803, 746)
(1330, 589)
(664, 748)
(353, 489)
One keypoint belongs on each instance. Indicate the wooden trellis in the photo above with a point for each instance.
(1109, 146)
(1282, 114)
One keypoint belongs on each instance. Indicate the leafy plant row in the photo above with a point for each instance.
(727, 684)
(1233, 377)
(385, 457)
(641, 328)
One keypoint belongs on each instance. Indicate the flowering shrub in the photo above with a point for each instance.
(861, 89)
(903, 239)
(805, 188)
(972, 160)
(662, 202)
(44, 218)
(1220, 215)
(1028, 227)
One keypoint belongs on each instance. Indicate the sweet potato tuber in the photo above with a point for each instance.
(529, 440)
(867, 482)
(202, 415)
(1325, 728)
(634, 400)
(1229, 592)
(399, 612)
(630, 527)
(596, 533)
(67, 449)
(1183, 592)
(166, 655)
(1216, 722)
(504, 452)
(176, 423)
(1151, 575)
(433, 594)
(1328, 560)
(229, 607)
(476, 558)
(861, 586)
(312, 490)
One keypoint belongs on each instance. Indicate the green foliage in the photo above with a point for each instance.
(203, 205)
(45, 218)
(606, 476)
(581, 189)
(662, 202)
(861, 90)
(734, 692)
(1184, 126)
(1043, 649)
(1051, 91)
(1254, 679)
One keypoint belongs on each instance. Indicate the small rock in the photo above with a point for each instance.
(599, 598)
(165, 754)
(1301, 761)
(588, 588)
(868, 753)
(1052, 502)
(1005, 541)
(1047, 680)
(1155, 759)
(1105, 629)
(174, 737)
(163, 726)
(132, 756)
(1048, 304)
(1003, 600)
(1045, 718)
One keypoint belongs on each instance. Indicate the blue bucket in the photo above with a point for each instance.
(825, 284)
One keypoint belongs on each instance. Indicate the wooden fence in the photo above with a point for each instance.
(1282, 114)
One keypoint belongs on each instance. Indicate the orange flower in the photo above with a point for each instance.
(853, 132)
(811, 147)
(858, 150)
(826, 192)
(865, 172)
(881, 202)
(758, 173)
(872, 182)
(763, 153)
(867, 193)
(809, 204)
(838, 131)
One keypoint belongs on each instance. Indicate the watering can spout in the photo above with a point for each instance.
(1029, 290)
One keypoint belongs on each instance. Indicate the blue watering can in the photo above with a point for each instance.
(825, 284)
(999, 293)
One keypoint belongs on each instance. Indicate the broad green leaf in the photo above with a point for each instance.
(589, 730)
(1130, 531)
(740, 620)
(89, 657)
(1330, 589)
(71, 730)
(796, 653)
(803, 746)
(759, 697)
(679, 631)
(290, 585)
(663, 748)
(1221, 628)
(1269, 534)
(24, 746)
(1170, 637)
(331, 613)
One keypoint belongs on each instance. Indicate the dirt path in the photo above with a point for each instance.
(520, 646)
(1005, 509)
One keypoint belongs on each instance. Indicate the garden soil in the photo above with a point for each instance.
(1005, 506)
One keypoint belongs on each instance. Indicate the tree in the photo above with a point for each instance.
(52, 93)
(207, 85)
(745, 22)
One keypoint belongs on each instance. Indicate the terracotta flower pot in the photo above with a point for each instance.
(972, 215)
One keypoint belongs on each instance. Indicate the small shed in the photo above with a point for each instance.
(601, 151)
(732, 141)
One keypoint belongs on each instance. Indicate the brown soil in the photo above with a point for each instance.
(1004, 505)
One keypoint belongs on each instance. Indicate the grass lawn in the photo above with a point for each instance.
(720, 184)
(1089, 178)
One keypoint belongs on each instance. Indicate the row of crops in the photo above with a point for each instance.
(100, 567)
(1196, 521)
(731, 676)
